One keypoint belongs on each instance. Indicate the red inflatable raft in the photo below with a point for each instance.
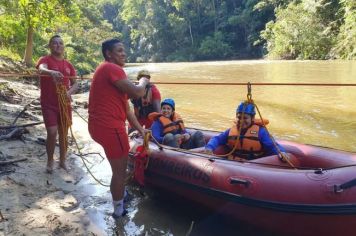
(318, 197)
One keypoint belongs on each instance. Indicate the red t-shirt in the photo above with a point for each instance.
(49, 97)
(107, 105)
(156, 95)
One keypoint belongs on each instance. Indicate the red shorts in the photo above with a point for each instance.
(51, 117)
(114, 141)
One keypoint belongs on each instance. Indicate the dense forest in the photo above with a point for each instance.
(180, 30)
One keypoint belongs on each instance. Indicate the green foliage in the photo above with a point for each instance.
(182, 30)
(12, 35)
(346, 41)
(298, 33)
(7, 53)
(83, 38)
(214, 47)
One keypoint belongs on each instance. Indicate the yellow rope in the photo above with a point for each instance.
(66, 124)
(280, 154)
(250, 100)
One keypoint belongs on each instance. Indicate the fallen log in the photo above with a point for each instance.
(2, 163)
(23, 111)
(6, 172)
(18, 126)
(12, 134)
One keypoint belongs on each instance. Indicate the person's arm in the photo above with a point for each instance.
(156, 103)
(56, 75)
(156, 99)
(217, 140)
(133, 120)
(73, 82)
(267, 143)
(73, 88)
(132, 90)
(157, 130)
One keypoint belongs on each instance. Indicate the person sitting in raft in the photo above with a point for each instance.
(168, 128)
(254, 140)
(147, 104)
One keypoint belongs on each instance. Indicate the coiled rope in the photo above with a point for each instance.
(66, 123)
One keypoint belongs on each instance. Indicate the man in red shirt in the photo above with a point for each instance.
(58, 70)
(108, 111)
(150, 102)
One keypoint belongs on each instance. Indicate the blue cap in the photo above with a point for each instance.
(246, 108)
(170, 102)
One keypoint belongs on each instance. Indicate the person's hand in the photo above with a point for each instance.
(179, 138)
(144, 81)
(186, 137)
(144, 131)
(69, 96)
(208, 151)
(57, 76)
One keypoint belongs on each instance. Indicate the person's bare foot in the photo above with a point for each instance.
(63, 166)
(49, 168)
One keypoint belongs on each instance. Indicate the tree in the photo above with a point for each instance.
(346, 40)
(39, 15)
(298, 33)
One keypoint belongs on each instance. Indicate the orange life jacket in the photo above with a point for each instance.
(143, 106)
(248, 145)
(175, 124)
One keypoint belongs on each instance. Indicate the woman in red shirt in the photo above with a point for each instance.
(108, 111)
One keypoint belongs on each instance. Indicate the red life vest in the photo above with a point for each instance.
(248, 145)
(175, 124)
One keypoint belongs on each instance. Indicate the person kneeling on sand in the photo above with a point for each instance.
(168, 128)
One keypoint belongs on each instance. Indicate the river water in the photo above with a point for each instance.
(324, 116)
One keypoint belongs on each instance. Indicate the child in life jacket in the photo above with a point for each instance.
(253, 138)
(168, 128)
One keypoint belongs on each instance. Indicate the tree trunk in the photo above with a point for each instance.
(29, 47)
(215, 17)
(191, 33)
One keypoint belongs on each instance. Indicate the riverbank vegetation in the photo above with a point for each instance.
(181, 30)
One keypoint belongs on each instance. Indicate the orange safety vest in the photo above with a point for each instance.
(143, 106)
(172, 125)
(249, 145)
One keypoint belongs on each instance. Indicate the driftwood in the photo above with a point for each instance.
(23, 111)
(6, 172)
(16, 132)
(12, 161)
(2, 218)
(19, 126)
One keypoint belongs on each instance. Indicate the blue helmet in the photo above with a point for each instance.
(247, 108)
(170, 102)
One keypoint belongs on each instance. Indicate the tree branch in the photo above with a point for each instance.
(2, 163)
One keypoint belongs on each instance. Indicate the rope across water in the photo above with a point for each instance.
(88, 77)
